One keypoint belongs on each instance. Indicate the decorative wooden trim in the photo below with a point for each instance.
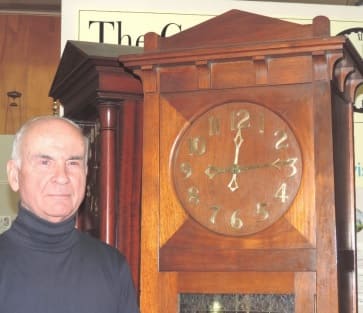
(108, 113)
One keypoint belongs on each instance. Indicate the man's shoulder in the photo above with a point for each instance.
(94, 245)
(4, 240)
(7, 247)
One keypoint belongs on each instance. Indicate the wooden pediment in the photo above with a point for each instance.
(236, 27)
(77, 53)
(88, 71)
(239, 34)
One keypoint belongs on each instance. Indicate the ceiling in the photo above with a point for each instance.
(54, 6)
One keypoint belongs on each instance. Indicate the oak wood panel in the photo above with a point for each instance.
(176, 112)
(29, 55)
(235, 282)
(305, 292)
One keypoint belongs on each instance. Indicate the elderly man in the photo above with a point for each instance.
(46, 265)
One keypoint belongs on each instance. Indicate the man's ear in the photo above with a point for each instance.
(13, 175)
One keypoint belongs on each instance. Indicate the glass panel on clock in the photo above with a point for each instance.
(236, 303)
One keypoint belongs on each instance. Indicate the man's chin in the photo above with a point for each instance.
(57, 219)
(59, 214)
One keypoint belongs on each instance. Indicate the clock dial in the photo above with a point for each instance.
(236, 168)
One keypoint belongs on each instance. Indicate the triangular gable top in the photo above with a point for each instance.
(236, 27)
(78, 53)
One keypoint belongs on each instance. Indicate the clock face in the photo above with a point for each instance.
(236, 168)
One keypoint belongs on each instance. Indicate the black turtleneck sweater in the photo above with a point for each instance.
(54, 268)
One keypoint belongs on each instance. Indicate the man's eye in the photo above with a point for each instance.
(44, 162)
(74, 162)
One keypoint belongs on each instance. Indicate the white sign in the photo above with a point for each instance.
(125, 27)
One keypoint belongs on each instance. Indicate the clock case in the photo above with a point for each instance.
(306, 77)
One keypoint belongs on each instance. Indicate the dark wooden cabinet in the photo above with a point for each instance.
(106, 100)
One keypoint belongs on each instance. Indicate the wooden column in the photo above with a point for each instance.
(129, 183)
(108, 114)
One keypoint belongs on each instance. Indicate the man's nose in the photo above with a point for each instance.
(61, 174)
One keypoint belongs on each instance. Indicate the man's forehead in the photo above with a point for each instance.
(51, 141)
(56, 125)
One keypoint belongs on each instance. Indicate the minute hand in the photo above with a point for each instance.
(211, 171)
(277, 164)
(238, 140)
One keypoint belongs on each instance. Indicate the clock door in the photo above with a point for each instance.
(224, 266)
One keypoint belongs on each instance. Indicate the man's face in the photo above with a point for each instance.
(52, 175)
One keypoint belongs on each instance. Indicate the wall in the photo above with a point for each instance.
(29, 56)
(8, 198)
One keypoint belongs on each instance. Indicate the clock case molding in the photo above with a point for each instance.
(299, 72)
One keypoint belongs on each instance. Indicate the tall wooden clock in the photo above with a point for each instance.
(247, 186)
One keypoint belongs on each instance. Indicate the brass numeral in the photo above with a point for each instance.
(186, 169)
(291, 162)
(236, 222)
(281, 142)
(214, 126)
(213, 217)
(197, 146)
(240, 119)
(281, 193)
(193, 195)
(261, 123)
(261, 211)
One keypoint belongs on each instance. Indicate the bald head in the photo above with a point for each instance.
(46, 119)
(49, 167)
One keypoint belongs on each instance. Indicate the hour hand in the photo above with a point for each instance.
(212, 171)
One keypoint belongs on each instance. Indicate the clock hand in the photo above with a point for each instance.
(233, 184)
(277, 164)
(238, 139)
(211, 171)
